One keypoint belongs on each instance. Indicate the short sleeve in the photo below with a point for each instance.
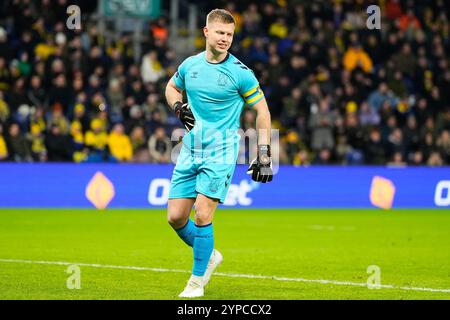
(249, 87)
(178, 77)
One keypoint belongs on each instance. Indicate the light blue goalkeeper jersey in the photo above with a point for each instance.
(216, 93)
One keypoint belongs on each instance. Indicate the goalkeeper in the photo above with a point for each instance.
(217, 86)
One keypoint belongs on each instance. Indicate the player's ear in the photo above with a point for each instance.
(205, 31)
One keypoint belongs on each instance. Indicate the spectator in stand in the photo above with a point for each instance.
(139, 144)
(323, 157)
(17, 96)
(18, 145)
(3, 148)
(368, 116)
(291, 144)
(322, 123)
(428, 144)
(160, 146)
(435, 160)
(4, 109)
(443, 121)
(153, 104)
(96, 140)
(37, 140)
(393, 9)
(395, 144)
(405, 61)
(60, 92)
(408, 21)
(411, 134)
(251, 20)
(154, 122)
(356, 57)
(416, 159)
(5, 76)
(36, 94)
(80, 116)
(396, 83)
(291, 113)
(379, 96)
(116, 98)
(151, 69)
(119, 144)
(80, 152)
(231, 7)
(443, 145)
(56, 117)
(160, 31)
(354, 134)
(136, 118)
(374, 149)
(278, 29)
(397, 160)
(58, 145)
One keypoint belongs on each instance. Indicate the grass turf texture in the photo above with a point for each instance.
(411, 247)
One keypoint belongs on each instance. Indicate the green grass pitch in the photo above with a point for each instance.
(268, 254)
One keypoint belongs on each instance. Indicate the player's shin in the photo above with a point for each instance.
(188, 232)
(203, 247)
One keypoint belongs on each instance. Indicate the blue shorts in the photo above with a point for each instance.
(210, 176)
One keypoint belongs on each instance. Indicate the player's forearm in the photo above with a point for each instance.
(263, 126)
(173, 95)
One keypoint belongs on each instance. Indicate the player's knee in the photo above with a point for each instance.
(202, 219)
(176, 220)
(203, 215)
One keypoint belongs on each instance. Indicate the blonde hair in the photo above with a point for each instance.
(220, 15)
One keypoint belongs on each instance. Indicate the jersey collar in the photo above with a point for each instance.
(225, 59)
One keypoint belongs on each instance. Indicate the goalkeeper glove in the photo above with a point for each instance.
(184, 113)
(261, 167)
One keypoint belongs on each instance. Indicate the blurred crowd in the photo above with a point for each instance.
(72, 95)
(342, 93)
(338, 92)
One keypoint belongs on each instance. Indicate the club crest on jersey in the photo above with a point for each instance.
(214, 185)
(223, 79)
(194, 75)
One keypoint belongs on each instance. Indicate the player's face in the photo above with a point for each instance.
(219, 36)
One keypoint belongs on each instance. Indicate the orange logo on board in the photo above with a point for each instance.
(100, 191)
(382, 192)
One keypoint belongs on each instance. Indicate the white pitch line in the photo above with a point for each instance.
(230, 275)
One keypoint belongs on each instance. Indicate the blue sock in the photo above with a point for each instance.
(187, 233)
(203, 248)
